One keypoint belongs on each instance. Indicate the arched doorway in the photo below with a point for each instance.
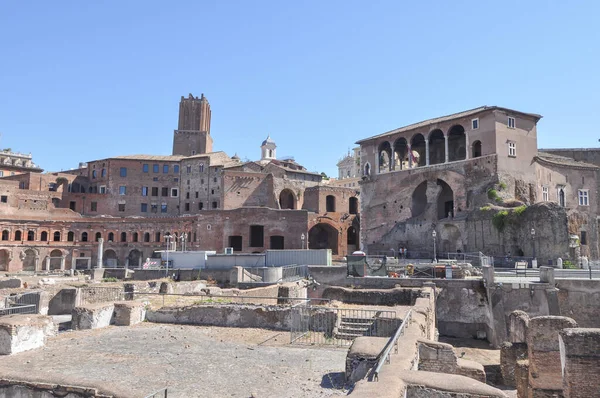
(400, 154)
(352, 240)
(418, 203)
(30, 260)
(477, 149)
(437, 147)
(4, 260)
(445, 202)
(457, 143)
(134, 259)
(323, 236)
(110, 259)
(287, 200)
(385, 157)
(56, 257)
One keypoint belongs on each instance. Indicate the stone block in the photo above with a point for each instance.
(510, 353)
(20, 333)
(547, 275)
(129, 313)
(580, 359)
(362, 356)
(440, 358)
(97, 274)
(522, 378)
(92, 316)
(13, 283)
(518, 322)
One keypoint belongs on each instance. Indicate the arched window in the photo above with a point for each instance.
(17, 235)
(5, 234)
(367, 169)
(353, 205)
(98, 236)
(84, 237)
(157, 237)
(330, 203)
(57, 236)
(111, 237)
(147, 237)
(30, 236)
(93, 173)
(71, 236)
(135, 237)
(123, 236)
(477, 149)
(103, 173)
(44, 236)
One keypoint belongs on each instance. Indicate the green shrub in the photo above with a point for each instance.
(499, 220)
(485, 208)
(569, 265)
(519, 210)
(502, 186)
(111, 279)
(492, 194)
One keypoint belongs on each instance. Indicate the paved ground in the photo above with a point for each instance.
(191, 361)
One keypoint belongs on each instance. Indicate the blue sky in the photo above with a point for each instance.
(84, 80)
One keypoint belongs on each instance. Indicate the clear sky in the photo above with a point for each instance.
(85, 80)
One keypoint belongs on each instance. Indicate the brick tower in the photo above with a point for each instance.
(192, 136)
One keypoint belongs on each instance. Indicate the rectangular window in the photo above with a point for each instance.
(165, 169)
(71, 206)
(584, 197)
(201, 167)
(154, 191)
(236, 243)
(122, 190)
(174, 192)
(257, 236)
(121, 207)
(200, 206)
(583, 239)
(163, 208)
(511, 122)
(187, 206)
(187, 195)
(196, 194)
(94, 206)
(144, 207)
(144, 191)
(176, 169)
(474, 124)
(215, 179)
(164, 191)
(154, 208)
(145, 168)
(4, 199)
(202, 181)
(545, 195)
(102, 189)
(1, 173)
(188, 169)
(512, 149)
(155, 168)
(123, 172)
(215, 205)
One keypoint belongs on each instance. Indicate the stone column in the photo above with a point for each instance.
(62, 262)
(47, 263)
(100, 252)
(410, 163)
(488, 275)
(427, 153)
(446, 147)
(467, 151)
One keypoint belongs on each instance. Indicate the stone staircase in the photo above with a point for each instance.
(349, 328)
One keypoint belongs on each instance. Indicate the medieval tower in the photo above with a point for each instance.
(192, 136)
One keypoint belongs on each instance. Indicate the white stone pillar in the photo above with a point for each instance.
(47, 263)
(62, 262)
(427, 153)
(467, 149)
(446, 147)
(100, 252)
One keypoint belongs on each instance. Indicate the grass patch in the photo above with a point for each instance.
(519, 210)
(485, 208)
(502, 186)
(110, 279)
(569, 265)
(499, 220)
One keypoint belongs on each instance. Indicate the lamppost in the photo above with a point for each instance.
(434, 234)
(302, 237)
(168, 240)
(183, 239)
(533, 241)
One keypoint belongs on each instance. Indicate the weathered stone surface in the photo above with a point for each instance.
(580, 357)
(440, 358)
(24, 332)
(510, 353)
(518, 322)
(92, 316)
(362, 356)
(12, 283)
(129, 313)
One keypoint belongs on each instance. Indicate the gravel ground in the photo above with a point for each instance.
(191, 361)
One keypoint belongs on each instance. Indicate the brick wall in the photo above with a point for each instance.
(580, 356)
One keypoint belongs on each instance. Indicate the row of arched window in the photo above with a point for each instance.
(85, 237)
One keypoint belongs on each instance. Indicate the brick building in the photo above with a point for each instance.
(213, 201)
(478, 180)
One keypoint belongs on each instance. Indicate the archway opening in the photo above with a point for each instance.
(353, 205)
(17, 235)
(330, 203)
(437, 147)
(367, 170)
(110, 259)
(30, 260)
(419, 199)
(351, 240)
(287, 200)
(385, 157)
(323, 236)
(4, 259)
(457, 143)
(30, 236)
(44, 236)
(5, 234)
(55, 259)
(98, 236)
(146, 237)
(400, 154)
(477, 149)
(56, 236)
(417, 151)
(445, 202)
(134, 259)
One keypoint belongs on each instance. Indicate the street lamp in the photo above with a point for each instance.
(434, 234)
(302, 237)
(168, 240)
(533, 241)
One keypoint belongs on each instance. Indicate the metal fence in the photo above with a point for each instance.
(384, 356)
(317, 325)
(286, 273)
(19, 309)
(291, 273)
(92, 295)
(361, 266)
(24, 303)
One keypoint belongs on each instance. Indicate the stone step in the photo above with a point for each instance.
(349, 329)
(347, 336)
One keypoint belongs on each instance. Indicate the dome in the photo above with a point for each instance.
(268, 141)
(235, 157)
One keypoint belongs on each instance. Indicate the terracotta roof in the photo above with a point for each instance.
(545, 157)
(440, 119)
(173, 158)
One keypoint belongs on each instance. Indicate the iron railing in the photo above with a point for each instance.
(319, 325)
(289, 273)
(384, 356)
(24, 299)
(93, 295)
(19, 309)
(162, 393)
(292, 273)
